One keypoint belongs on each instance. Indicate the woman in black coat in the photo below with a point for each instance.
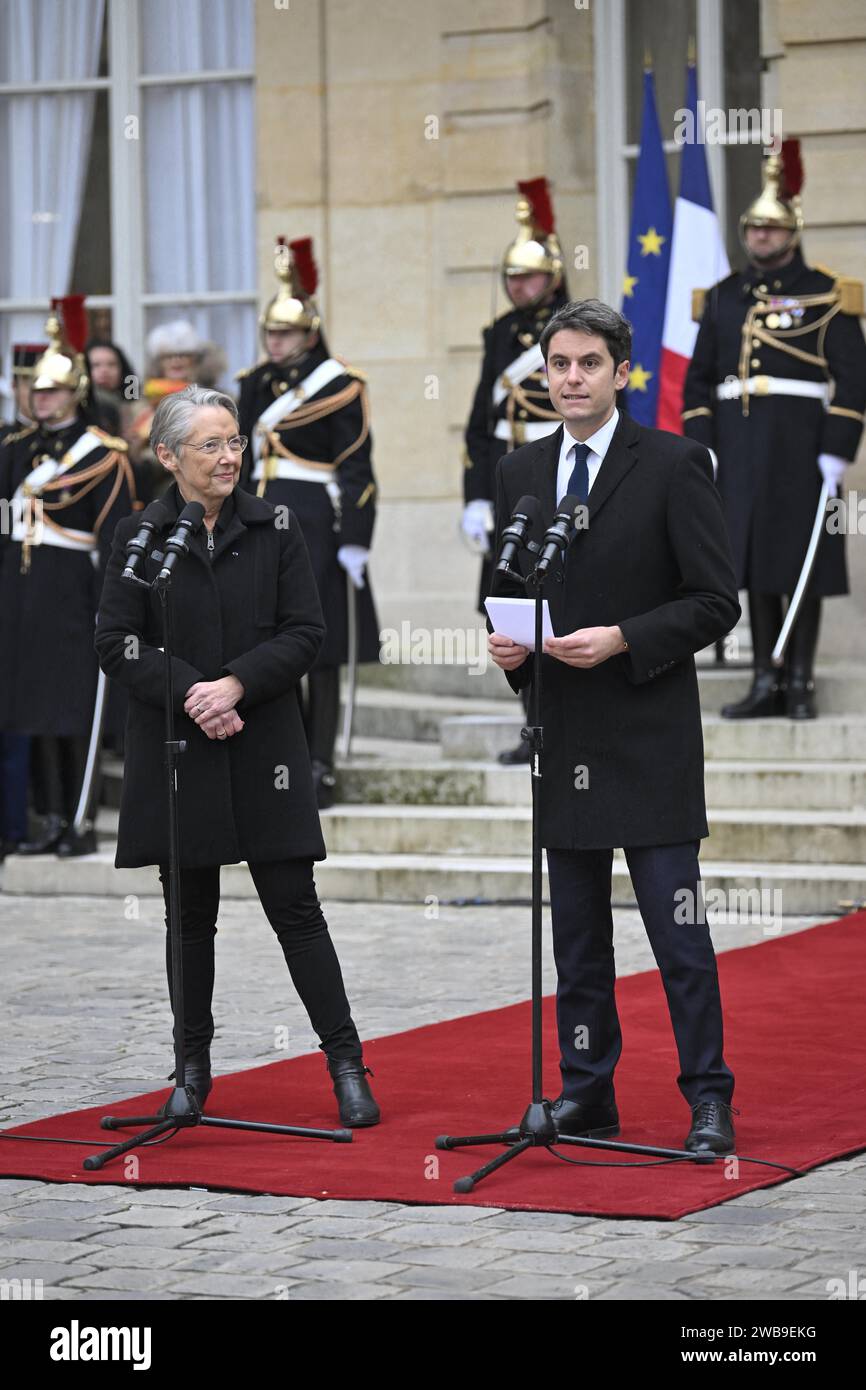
(247, 626)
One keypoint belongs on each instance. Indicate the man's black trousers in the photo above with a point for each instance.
(666, 879)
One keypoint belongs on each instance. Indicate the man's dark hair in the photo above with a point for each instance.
(592, 316)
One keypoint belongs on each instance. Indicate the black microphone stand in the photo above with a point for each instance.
(537, 1129)
(181, 1110)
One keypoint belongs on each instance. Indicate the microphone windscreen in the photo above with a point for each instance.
(569, 505)
(193, 513)
(530, 507)
(157, 513)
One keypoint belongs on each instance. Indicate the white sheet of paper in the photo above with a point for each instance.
(515, 618)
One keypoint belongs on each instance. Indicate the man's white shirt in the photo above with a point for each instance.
(598, 445)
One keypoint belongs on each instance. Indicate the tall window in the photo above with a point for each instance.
(128, 133)
(727, 46)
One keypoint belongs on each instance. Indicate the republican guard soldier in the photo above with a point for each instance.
(307, 417)
(512, 404)
(15, 748)
(777, 388)
(65, 483)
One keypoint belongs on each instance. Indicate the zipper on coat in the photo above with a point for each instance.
(210, 540)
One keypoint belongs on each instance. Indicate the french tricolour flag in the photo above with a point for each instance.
(698, 260)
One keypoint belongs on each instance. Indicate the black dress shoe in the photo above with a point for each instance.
(324, 783)
(74, 844)
(800, 699)
(358, 1108)
(589, 1121)
(712, 1128)
(514, 756)
(765, 698)
(53, 829)
(197, 1074)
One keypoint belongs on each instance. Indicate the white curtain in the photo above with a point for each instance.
(44, 147)
(199, 157)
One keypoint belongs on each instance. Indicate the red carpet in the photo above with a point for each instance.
(795, 1040)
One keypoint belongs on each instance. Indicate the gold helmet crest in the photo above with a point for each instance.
(293, 305)
(536, 247)
(778, 203)
(62, 364)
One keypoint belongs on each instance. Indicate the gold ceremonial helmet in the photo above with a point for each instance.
(59, 365)
(293, 305)
(778, 204)
(536, 247)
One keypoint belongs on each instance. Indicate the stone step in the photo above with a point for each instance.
(425, 880)
(478, 677)
(841, 737)
(764, 785)
(775, 836)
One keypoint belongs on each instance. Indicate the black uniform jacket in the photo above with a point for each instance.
(249, 607)
(623, 747)
(48, 670)
(768, 459)
(325, 528)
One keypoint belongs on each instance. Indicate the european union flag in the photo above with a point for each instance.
(649, 254)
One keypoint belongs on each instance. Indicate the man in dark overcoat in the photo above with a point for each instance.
(307, 417)
(777, 387)
(646, 582)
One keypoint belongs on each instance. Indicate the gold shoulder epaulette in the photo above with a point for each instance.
(20, 434)
(849, 290)
(354, 371)
(244, 371)
(699, 299)
(111, 441)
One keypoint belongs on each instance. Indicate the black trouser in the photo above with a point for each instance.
(14, 778)
(57, 766)
(287, 893)
(322, 713)
(590, 1041)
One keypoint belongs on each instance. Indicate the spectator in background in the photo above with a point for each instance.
(176, 357)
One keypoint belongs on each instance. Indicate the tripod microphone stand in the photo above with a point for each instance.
(537, 1129)
(181, 1110)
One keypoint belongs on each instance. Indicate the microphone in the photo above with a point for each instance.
(525, 518)
(153, 519)
(177, 544)
(559, 534)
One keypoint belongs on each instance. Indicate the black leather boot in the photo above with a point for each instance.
(197, 1075)
(766, 696)
(48, 838)
(358, 1107)
(74, 844)
(800, 694)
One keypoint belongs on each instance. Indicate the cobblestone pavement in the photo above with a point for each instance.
(75, 968)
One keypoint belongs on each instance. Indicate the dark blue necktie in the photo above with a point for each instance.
(578, 483)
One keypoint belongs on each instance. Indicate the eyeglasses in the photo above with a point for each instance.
(212, 447)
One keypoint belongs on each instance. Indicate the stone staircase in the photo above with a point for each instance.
(426, 813)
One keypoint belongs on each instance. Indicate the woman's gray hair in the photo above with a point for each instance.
(591, 316)
(173, 417)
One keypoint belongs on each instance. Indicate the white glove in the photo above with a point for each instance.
(832, 470)
(477, 522)
(354, 558)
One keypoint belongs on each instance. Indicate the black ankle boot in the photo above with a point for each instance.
(800, 697)
(354, 1097)
(54, 827)
(197, 1074)
(764, 698)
